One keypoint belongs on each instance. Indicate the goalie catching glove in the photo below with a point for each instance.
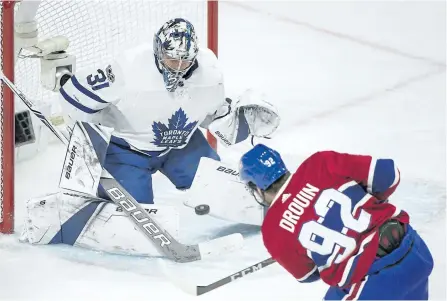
(249, 115)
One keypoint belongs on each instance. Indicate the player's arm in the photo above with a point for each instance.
(292, 257)
(91, 90)
(380, 176)
(299, 265)
(236, 120)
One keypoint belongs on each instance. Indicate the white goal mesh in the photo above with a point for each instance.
(100, 29)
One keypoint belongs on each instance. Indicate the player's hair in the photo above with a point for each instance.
(276, 186)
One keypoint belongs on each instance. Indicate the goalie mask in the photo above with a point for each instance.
(175, 50)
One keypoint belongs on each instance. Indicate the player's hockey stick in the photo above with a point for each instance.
(203, 289)
(161, 239)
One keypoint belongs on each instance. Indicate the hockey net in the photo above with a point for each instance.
(97, 29)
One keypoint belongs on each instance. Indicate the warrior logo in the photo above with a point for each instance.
(175, 133)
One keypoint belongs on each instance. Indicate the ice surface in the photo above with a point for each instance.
(362, 78)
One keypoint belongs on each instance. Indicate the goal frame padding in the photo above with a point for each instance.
(7, 111)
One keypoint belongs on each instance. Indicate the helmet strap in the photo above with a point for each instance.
(259, 198)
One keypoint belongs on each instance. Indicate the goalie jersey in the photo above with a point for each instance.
(128, 94)
(325, 222)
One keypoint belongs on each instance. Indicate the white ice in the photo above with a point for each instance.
(359, 77)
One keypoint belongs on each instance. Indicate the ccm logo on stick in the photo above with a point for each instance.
(136, 214)
(246, 271)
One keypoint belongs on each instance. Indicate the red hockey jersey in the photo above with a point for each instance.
(324, 223)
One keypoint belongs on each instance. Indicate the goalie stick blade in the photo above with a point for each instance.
(221, 245)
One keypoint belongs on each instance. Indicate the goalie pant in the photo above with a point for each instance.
(401, 275)
(134, 169)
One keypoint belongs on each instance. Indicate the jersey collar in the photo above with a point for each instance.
(281, 190)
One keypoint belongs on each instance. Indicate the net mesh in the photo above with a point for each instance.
(100, 29)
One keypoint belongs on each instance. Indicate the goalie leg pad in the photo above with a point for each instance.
(58, 218)
(92, 224)
(218, 186)
(85, 157)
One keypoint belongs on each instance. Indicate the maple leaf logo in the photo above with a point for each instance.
(175, 133)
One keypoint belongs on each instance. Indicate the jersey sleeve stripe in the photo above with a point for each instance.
(396, 176)
(383, 177)
(85, 91)
(356, 193)
(352, 262)
(361, 203)
(372, 168)
(356, 290)
(76, 104)
(312, 276)
(347, 185)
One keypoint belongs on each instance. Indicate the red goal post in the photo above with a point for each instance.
(114, 24)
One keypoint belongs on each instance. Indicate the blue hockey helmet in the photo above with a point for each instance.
(261, 166)
(175, 50)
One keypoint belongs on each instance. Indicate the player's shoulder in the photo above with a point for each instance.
(209, 72)
(317, 158)
(320, 158)
(207, 57)
(137, 53)
(138, 65)
(315, 170)
(322, 155)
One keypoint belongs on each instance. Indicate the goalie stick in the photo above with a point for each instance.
(161, 239)
(198, 290)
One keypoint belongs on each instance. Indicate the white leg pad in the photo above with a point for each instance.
(217, 185)
(55, 219)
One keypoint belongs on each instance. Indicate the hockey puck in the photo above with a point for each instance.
(202, 209)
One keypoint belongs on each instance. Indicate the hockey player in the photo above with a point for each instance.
(154, 99)
(331, 220)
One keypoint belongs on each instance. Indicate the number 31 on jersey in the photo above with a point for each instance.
(102, 79)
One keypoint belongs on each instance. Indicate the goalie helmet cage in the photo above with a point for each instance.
(96, 29)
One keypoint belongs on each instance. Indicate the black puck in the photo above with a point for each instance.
(202, 209)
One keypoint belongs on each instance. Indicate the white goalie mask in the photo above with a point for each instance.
(175, 50)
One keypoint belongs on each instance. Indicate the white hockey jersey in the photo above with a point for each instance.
(128, 94)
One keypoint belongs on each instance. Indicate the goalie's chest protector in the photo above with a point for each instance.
(157, 119)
